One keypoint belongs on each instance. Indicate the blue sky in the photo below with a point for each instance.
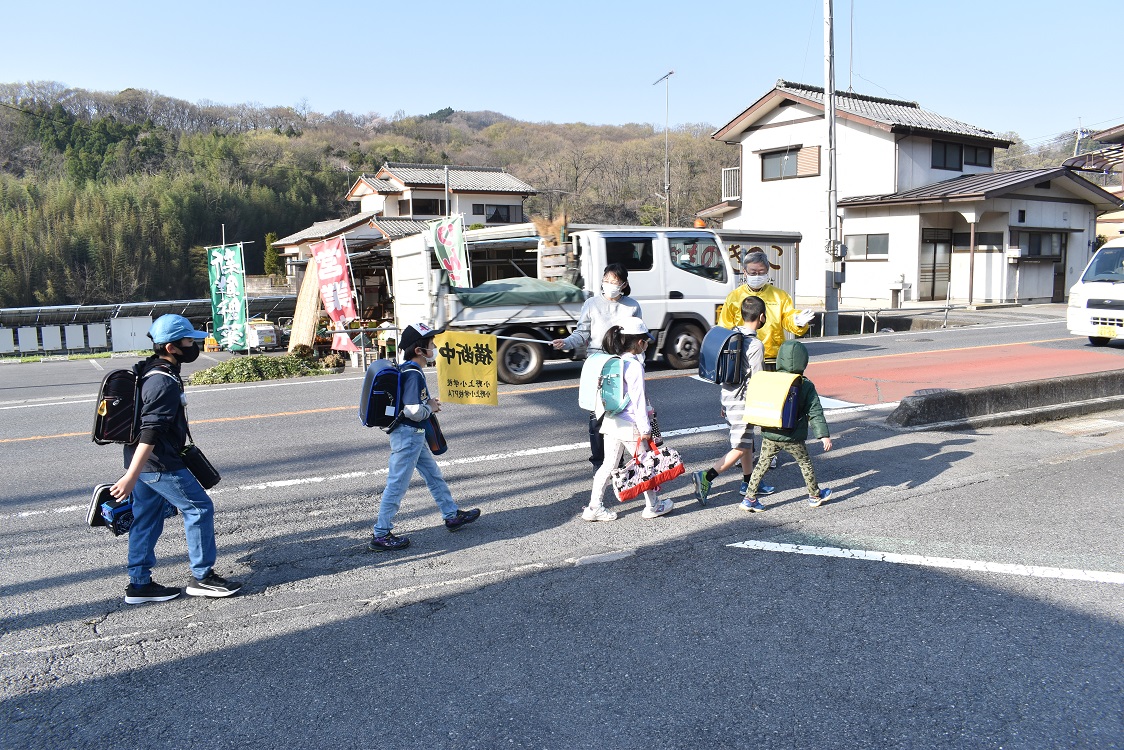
(1035, 67)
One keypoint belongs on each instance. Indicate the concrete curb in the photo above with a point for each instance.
(1014, 403)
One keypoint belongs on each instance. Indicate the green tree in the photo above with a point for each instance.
(272, 260)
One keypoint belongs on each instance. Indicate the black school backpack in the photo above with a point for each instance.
(722, 357)
(117, 415)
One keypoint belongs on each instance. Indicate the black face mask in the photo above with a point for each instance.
(190, 354)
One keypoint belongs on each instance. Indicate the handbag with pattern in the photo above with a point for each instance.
(646, 471)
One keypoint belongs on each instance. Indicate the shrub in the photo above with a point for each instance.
(254, 368)
(334, 360)
(304, 351)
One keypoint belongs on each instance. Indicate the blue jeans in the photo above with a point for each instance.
(182, 490)
(407, 452)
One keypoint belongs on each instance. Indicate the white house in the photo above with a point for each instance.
(923, 214)
(485, 195)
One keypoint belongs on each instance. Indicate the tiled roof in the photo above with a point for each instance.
(395, 228)
(899, 114)
(978, 187)
(380, 186)
(322, 229)
(463, 179)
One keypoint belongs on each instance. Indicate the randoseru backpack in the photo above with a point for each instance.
(610, 386)
(722, 357)
(117, 416)
(380, 401)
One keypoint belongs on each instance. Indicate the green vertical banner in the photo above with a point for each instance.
(447, 236)
(228, 295)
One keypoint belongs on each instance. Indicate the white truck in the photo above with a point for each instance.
(679, 276)
(1096, 302)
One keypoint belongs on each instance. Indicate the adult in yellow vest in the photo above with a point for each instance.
(780, 313)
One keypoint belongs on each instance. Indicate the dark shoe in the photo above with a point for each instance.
(149, 592)
(388, 543)
(214, 586)
(463, 517)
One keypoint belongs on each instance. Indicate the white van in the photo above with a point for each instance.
(1096, 302)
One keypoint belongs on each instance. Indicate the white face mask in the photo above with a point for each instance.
(756, 282)
(431, 357)
(610, 290)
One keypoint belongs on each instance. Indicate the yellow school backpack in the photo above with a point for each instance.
(772, 399)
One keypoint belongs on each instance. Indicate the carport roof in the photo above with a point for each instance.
(975, 187)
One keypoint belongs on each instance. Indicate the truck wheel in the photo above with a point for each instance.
(519, 362)
(1099, 340)
(683, 344)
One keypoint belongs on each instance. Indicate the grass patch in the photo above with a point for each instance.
(92, 355)
(256, 367)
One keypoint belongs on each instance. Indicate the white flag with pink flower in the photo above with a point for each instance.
(447, 236)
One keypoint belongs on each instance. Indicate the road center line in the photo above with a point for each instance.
(981, 566)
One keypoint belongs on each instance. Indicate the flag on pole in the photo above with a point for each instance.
(228, 295)
(447, 236)
(335, 288)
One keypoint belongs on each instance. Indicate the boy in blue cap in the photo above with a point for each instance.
(154, 471)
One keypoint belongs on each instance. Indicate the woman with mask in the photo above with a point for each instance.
(603, 311)
(780, 313)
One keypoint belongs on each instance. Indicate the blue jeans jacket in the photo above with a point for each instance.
(407, 452)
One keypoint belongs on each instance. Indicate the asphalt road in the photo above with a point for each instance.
(961, 590)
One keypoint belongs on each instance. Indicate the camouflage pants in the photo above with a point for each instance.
(799, 451)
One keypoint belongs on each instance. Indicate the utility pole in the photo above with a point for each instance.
(833, 265)
(666, 154)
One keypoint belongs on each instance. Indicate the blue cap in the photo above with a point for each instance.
(169, 328)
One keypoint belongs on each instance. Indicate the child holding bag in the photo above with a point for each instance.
(622, 431)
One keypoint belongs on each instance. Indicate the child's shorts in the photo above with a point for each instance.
(741, 436)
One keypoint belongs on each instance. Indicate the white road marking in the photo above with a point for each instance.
(981, 566)
(96, 364)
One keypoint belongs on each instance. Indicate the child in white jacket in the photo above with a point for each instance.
(622, 431)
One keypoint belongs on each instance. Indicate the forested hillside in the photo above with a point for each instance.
(111, 197)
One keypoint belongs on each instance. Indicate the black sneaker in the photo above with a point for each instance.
(213, 586)
(388, 543)
(149, 592)
(463, 517)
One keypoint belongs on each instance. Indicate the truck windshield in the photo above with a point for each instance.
(1107, 266)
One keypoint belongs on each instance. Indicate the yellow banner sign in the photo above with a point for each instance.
(466, 368)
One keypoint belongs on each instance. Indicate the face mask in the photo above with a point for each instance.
(431, 357)
(610, 290)
(756, 282)
(188, 354)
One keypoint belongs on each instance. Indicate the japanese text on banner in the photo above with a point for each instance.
(447, 236)
(335, 287)
(466, 368)
(228, 295)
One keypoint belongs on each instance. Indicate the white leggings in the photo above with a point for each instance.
(614, 449)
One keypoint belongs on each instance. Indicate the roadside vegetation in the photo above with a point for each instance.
(257, 367)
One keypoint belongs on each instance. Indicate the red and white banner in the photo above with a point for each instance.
(335, 287)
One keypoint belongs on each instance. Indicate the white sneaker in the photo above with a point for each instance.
(600, 513)
(662, 508)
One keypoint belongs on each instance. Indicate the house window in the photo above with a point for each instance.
(429, 207)
(984, 240)
(1039, 244)
(635, 254)
(867, 246)
(977, 156)
(404, 207)
(477, 209)
(794, 161)
(948, 156)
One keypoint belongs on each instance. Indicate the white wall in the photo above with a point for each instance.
(871, 280)
(376, 202)
(915, 165)
(865, 167)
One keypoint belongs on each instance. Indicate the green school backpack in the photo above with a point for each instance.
(610, 386)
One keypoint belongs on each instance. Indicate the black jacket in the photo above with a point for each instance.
(163, 418)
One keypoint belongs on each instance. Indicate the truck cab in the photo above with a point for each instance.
(1096, 301)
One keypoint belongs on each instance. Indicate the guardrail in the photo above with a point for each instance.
(873, 314)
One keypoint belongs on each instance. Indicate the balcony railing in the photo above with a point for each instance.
(731, 184)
